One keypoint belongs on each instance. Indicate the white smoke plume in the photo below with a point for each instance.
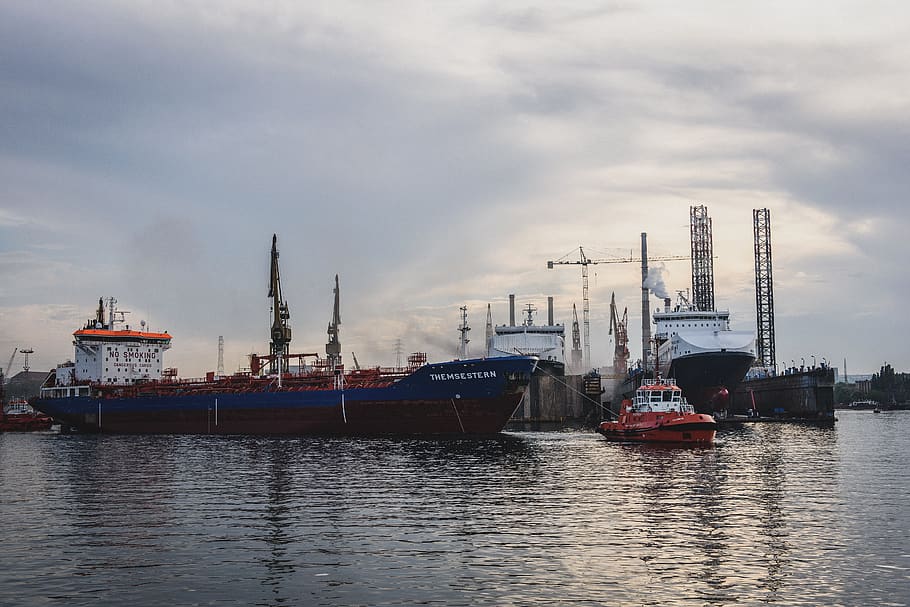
(655, 280)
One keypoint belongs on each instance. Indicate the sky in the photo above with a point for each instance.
(437, 155)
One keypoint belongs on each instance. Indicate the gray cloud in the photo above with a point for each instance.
(150, 152)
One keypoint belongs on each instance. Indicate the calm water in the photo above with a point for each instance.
(771, 515)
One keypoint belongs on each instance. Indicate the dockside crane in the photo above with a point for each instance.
(584, 261)
(576, 340)
(620, 331)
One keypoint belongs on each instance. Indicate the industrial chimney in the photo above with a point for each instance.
(645, 304)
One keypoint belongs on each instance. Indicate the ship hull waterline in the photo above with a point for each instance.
(699, 433)
(434, 400)
(463, 416)
(709, 379)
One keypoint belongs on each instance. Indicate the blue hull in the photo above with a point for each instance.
(471, 396)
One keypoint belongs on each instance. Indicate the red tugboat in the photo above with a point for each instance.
(659, 413)
(18, 416)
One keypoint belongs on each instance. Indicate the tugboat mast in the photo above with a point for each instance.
(281, 332)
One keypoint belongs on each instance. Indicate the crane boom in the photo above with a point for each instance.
(584, 261)
(9, 365)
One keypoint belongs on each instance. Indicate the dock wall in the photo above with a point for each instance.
(555, 399)
(808, 395)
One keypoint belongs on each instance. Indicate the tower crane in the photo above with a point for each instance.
(584, 261)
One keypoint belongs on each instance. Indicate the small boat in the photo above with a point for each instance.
(659, 413)
(19, 416)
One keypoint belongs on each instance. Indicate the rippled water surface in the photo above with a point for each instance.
(785, 515)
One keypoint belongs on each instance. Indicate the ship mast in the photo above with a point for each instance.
(463, 329)
(281, 332)
(490, 333)
(333, 347)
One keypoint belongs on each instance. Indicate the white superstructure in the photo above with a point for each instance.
(685, 331)
(545, 341)
(108, 354)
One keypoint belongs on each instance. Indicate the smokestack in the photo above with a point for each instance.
(512, 310)
(645, 303)
(666, 304)
(550, 311)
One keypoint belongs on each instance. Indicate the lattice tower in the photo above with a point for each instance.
(764, 289)
(702, 258)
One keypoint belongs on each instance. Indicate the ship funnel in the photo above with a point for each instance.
(550, 310)
(512, 310)
(666, 304)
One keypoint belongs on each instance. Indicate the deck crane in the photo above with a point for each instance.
(281, 332)
(584, 261)
(333, 347)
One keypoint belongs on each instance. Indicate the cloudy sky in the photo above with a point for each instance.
(437, 154)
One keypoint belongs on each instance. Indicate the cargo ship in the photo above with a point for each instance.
(118, 384)
(547, 342)
(698, 348)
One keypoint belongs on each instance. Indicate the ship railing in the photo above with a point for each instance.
(666, 381)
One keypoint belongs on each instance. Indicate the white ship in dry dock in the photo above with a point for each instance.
(698, 348)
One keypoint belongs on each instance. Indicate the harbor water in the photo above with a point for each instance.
(772, 514)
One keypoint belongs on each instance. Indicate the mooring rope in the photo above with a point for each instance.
(582, 394)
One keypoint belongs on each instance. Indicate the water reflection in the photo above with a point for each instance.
(771, 515)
